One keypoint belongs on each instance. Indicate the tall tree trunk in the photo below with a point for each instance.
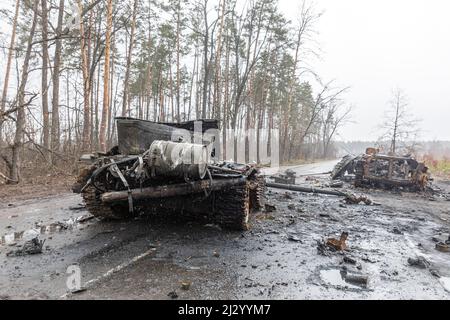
(188, 116)
(198, 110)
(106, 107)
(161, 98)
(126, 85)
(172, 110)
(396, 121)
(44, 80)
(178, 58)
(55, 132)
(226, 99)
(205, 60)
(216, 97)
(95, 86)
(111, 89)
(20, 121)
(149, 75)
(86, 137)
(8, 68)
(69, 124)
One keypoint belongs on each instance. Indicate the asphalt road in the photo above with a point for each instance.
(171, 257)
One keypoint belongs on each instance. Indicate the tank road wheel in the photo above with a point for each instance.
(232, 208)
(341, 167)
(257, 193)
(94, 205)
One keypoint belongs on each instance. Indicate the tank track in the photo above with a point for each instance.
(258, 193)
(94, 205)
(232, 208)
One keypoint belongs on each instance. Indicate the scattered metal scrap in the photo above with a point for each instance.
(185, 285)
(269, 207)
(33, 246)
(356, 278)
(355, 199)
(349, 198)
(443, 247)
(330, 245)
(322, 248)
(338, 244)
(288, 177)
(336, 184)
(373, 169)
(419, 262)
(306, 189)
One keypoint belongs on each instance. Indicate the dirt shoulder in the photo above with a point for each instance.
(40, 186)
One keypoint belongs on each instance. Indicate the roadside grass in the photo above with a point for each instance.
(438, 167)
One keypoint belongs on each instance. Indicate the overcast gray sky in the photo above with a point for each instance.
(375, 46)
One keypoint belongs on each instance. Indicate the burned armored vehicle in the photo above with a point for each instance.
(373, 169)
(169, 167)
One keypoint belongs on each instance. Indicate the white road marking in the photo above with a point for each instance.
(110, 272)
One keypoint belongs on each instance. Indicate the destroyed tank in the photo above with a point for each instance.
(169, 167)
(374, 169)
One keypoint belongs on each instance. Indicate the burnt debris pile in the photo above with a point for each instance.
(377, 170)
(160, 167)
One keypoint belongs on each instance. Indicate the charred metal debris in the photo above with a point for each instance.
(149, 172)
(288, 177)
(348, 197)
(376, 170)
(330, 245)
(33, 246)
